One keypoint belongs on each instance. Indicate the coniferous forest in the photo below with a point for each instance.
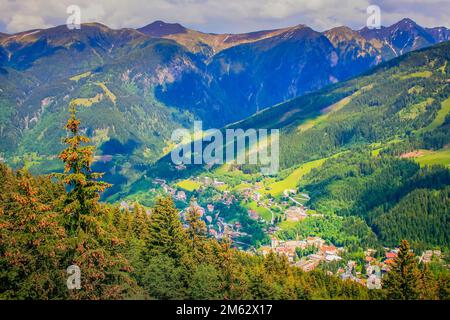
(204, 160)
(49, 223)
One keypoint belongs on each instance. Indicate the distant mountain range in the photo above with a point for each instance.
(405, 99)
(401, 37)
(134, 86)
(362, 147)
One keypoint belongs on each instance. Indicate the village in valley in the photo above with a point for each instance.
(217, 202)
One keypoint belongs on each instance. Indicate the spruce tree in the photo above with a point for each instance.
(428, 284)
(31, 237)
(403, 279)
(93, 243)
(84, 187)
(166, 234)
(205, 283)
(196, 226)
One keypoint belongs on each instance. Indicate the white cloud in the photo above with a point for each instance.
(221, 16)
(20, 22)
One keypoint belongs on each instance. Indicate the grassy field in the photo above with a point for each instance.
(188, 185)
(263, 212)
(434, 157)
(293, 179)
(413, 111)
(223, 169)
(223, 187)
(420, 74)
(80, 76)
(288, 224)
(325, 114)
(87, 102)
(440, 117)
(442, 69)
(108, 92)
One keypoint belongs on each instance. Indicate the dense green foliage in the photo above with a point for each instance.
(122, 254)
(125, 254)
(403, 281)
(396, 197)
(131, 254)
(342, 231)
(367, 189)
(156, 260)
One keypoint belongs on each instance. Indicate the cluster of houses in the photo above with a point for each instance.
(167, 189)
(124, 205)
(428, 255)
(289, 248)
(227, 198)
(207, 181)
(222, 229)
(216, 225)
(321, 252)
(390, 255)
(296, 213)
(179, 195)
(252, 194)
(327, 253)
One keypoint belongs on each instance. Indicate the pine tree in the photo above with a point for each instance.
(140, 222)
(234, 284)
(205, 283)
(84, 186)
(31, 237)
(261, 284)
(428, 284)
(443, 290)
(403, 280)
(166, 234)
(93, 244)
(196, 226)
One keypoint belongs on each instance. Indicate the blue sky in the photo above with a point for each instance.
(225, 16)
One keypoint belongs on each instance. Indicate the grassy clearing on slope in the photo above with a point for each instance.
(293, 179)
(262, 211)
(223, 169)
(378, 146)
(108, 92)
(87, 102)
(242, 186)
(188, 185)
(419, 74)
(440, 117)
(416, 90)
(442, 69)
(80, 76)
(330, 109)
(413, 111)
(428, 158)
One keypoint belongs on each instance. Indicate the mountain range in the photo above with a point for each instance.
(375, 148)
(134, 86)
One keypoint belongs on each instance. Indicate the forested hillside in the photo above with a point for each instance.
(50, 223)
(376, 147)
(134, 87)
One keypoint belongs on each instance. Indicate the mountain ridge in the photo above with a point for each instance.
(133, 89)
(194, 40)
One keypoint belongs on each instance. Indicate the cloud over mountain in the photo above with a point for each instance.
(220, 16)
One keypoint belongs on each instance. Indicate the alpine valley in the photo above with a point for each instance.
(364, 136)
